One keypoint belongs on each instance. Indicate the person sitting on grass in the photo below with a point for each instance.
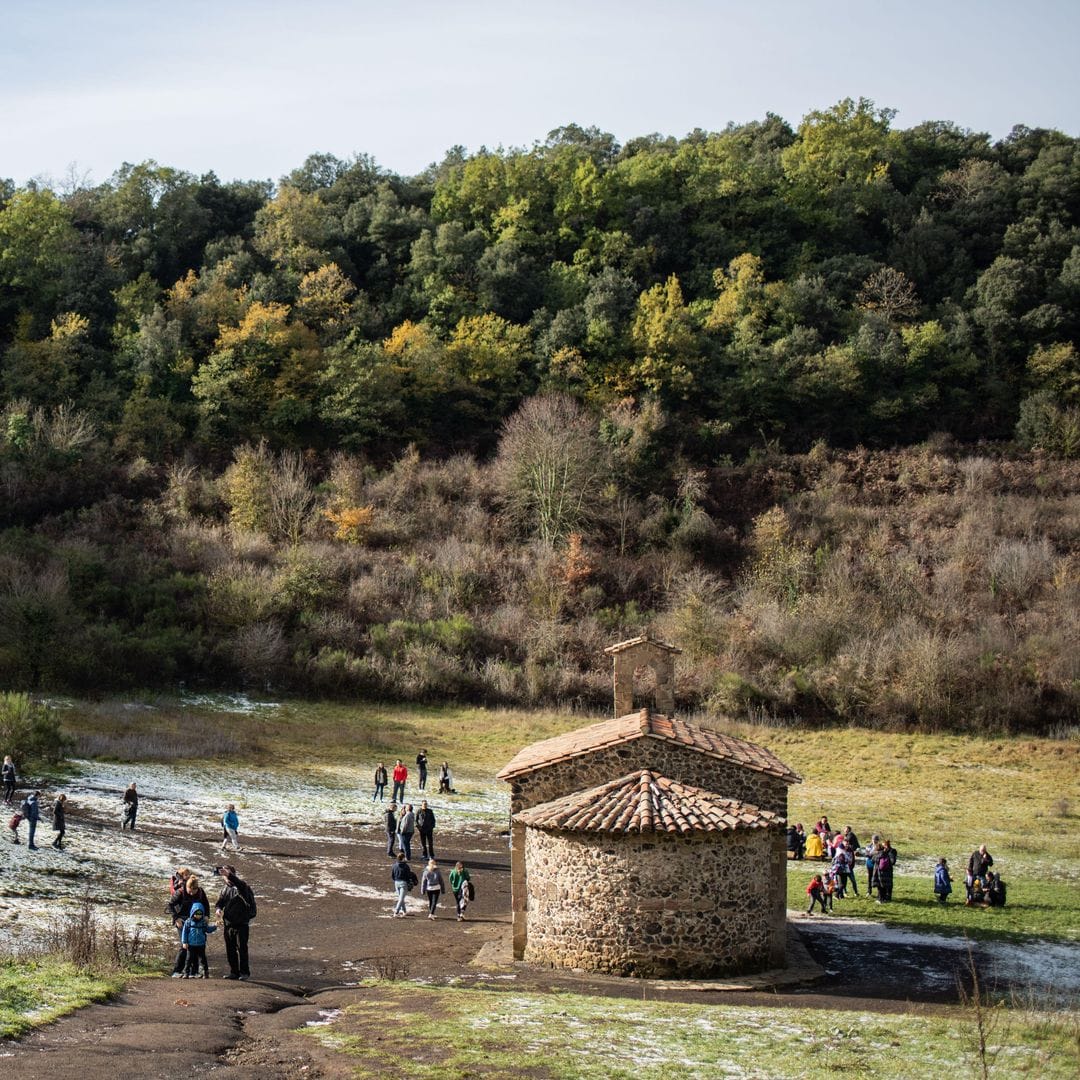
(816, 891)
(995, 891)
(942, 881)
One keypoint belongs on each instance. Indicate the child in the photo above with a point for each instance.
(193, 939)
(942, 881)
(816, 891)
(832, 887)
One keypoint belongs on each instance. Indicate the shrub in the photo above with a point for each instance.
(31, 730)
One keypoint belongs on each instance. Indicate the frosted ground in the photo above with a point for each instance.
(180, 808)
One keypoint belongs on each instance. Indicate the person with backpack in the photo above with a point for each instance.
(9, 777)
(193, 941)
(942, 881)
(401, 873)
(885, 863)
(462, 887)
(32, 812)
(237, 907)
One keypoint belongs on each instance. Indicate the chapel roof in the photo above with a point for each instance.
(646, 724)
(646, 802)
(622, 646)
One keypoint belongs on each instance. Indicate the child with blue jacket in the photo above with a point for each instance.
(193, 940)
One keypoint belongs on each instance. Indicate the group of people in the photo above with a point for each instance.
(401, 827)
(841, 850)
(401, 774)
(29, 810)
(189, 910)
(984, 888)
(432, 886)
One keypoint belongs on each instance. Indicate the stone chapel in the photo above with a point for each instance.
(646, 845)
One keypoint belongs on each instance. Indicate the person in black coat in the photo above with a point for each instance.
(236, 906)
(391, 829)
(178, 909)
(425, 825)
(58, 821)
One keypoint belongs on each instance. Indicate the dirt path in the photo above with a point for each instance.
(324, 925)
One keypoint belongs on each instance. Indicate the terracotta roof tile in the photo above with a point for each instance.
(643, 802)
(619, 646)
(646, 724)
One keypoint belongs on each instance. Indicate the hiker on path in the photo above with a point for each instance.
(380, 783)
(421, 765)
(193, 942)
(58, 822)
(401, 774)
(425, 825)
(404, 879)
(406, 826)
(460, 885)
(32, 812)
(230, 826)
(131, 808)
(9, 777)
(236, 906)
(391, 829)
(433, 886)
(187, 893)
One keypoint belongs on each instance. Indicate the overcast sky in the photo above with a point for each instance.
(248, 89)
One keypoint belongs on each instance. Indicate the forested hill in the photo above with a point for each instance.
(842, 281)
(802, 401)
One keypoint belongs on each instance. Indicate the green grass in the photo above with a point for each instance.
(459, 1033)
(35, 992)
(1035, 909)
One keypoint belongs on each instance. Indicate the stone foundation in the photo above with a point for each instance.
(655, 905)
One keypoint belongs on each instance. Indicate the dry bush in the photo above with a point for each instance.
(190, 493)
(334, 630)
(1017, 568)
(239, 594)
(259, 651)
(196, 548)
(977, 474)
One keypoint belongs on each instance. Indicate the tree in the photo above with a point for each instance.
(889, 292)
(665, 343)
(550, 467)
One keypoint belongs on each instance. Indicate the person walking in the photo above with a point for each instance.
(461, 886)
(421, 768)
(391, 829)
(193, 942)
(58, 821)
(32, 812)
(425, 826)
(7, 773)
(380, 783)
(236, 906)
(404, 879)
(432, 886)
(131, 808)
(230, 828)
(406, 827)
(401, 774)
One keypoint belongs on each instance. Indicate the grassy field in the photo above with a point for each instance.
(457, 1033)
(33, 992)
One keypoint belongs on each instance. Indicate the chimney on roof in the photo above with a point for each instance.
(631, 656)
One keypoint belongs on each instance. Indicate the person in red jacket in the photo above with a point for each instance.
(816, 891)
(401, 774)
